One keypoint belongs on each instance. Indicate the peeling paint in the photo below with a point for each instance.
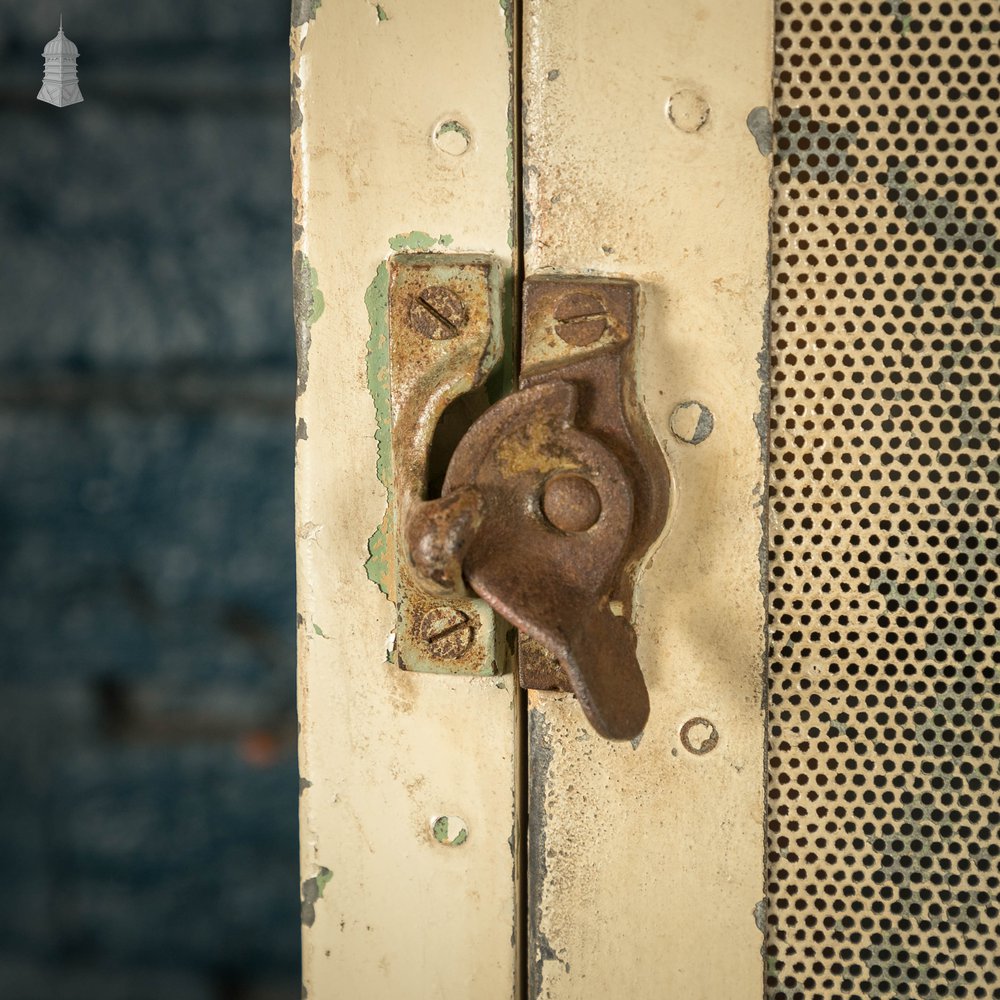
(312, 892)
(762, 423)
(539, 764)
(759, 123)
(319, 631)
(296, 111)
(301, 430)
(692, 422)
(416, 240)
(380, 13)
(450, 831)
(508, 13)
(297, 229)
(304, 783)
(454, 127)
(308, 307)
(507, 8)
(760, 914)
(377, 364)
(377, 369)
(304, 10)
(546, 953)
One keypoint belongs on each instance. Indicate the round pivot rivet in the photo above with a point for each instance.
(571, 503)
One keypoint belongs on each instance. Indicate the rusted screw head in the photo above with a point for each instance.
(438, 313)
(570, 502)
(448, 632)
(581, 318)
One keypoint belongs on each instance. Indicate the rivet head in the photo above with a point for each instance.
(448, 632)
(571, 503)
(688, 110)
(452, 831)
(691, 422)
(581, 318)
(452, 137)
(438, 313)
(699, 736)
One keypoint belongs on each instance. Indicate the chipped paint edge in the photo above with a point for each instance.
(378, 566)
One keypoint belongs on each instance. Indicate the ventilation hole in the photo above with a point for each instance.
(883, 798)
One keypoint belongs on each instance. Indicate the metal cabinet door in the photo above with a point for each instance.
(461, 838)
(628, 122)
(396, 901)
(645, 859)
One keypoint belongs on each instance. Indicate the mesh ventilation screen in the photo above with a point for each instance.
(884, 695)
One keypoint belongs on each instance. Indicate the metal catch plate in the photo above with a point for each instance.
(553, 495)
(445, 336)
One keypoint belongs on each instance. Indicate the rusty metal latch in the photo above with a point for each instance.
(553, 496)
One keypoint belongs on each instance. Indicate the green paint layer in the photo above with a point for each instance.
(312, 890)
(442, 829)
(417, 240)
(377, 365)
(323, 877)
(308, 305)
(377, 304)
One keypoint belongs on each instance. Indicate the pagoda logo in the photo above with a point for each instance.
(59, 85)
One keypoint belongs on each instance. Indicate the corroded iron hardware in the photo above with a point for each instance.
(552, 497)
(444, 339)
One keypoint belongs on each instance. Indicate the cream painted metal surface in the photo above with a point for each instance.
(645, 860)
(408, 800)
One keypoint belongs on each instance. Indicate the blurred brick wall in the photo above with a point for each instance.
(148, 805)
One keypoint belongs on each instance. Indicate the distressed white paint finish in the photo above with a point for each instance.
(646, 862)
(386, 753)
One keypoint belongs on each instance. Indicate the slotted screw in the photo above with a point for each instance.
(447, 632)
(581, 318)
(438, 313)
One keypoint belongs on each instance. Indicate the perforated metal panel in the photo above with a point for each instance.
(883, 791)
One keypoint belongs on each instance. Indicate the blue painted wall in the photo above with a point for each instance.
(147, 775)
